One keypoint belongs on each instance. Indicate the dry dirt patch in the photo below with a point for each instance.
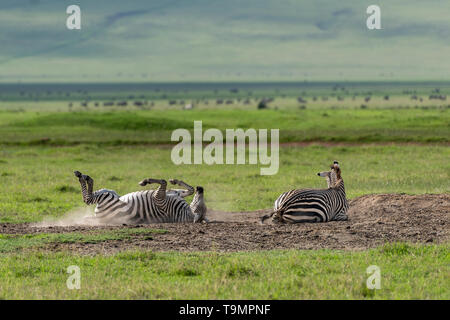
(373, 220)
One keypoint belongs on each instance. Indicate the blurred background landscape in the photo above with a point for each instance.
(204, 40)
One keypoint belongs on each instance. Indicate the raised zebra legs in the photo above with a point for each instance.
(90, 184)
(181, 192)
(160, 194)
(87, 185)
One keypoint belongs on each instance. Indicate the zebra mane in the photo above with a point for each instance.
(339, 182)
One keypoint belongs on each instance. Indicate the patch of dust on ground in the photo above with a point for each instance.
(76, 218)
(373, 221)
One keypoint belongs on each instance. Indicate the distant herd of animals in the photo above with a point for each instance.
(165, 205)
(261, 103)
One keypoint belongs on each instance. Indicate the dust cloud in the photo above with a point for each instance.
(77, 217)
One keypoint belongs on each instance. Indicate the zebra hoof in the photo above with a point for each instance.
(143, 183)
(77, 174)
(173, 181)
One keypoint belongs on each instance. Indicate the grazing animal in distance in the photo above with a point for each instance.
(148, 206)
(313, 205)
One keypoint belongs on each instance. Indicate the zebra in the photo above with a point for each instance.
(313, 205)
(148, 206)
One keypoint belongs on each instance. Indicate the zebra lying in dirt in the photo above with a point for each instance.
(313, 205)
(149, 206)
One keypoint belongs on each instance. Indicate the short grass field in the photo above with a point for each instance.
(397, 144)
(407, 272)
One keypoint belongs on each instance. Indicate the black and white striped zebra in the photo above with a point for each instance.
(313, 205)
(149, 206)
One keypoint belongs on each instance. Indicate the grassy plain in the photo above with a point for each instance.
(38, 181)
(155, 127)
(407, 272)
(385, 145)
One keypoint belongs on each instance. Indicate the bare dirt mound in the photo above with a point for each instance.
(373, 220)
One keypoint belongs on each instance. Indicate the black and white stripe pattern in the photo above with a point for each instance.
(149, 206)
(313, 205)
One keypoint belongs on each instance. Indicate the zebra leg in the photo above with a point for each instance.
(90, 184)
(87, 186)
(82, 180)
(160, 194)
(181, 192)
(82, 183)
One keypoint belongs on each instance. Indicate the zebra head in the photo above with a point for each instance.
(198, 206)
(333, 175)
(336, 170)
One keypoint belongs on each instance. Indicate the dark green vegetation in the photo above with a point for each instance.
(139, 127)
(407, 272)
(356, 113)
(131, 92)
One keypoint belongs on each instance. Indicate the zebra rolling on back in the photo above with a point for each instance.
(149, 206)
(313, 205)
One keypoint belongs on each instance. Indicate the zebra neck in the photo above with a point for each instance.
(197, 203)
(340, 186)
(197, 200)
(329, 184)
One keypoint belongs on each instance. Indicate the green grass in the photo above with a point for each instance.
(407, 272)
(156, 126)
(39, 181)
(14, 242)
(42, 143)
